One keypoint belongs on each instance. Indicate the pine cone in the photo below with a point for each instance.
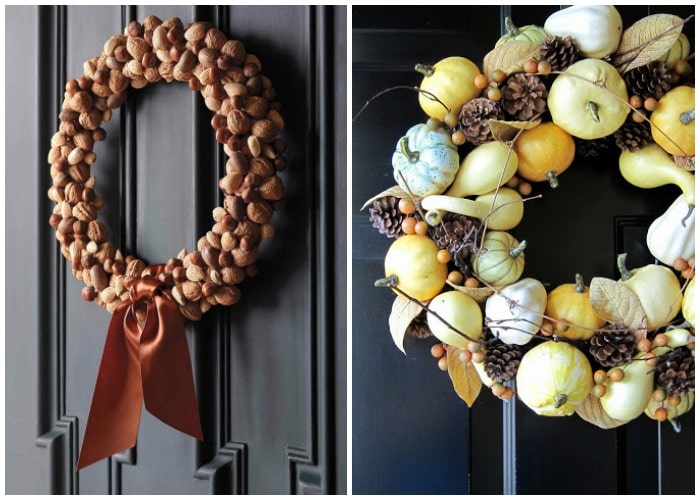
(419, 327)
(591, 148)
(560, 53)
(524, 96)
(632, 135)
(385, 216)
(675, 371)
(502, 361)
(474, 119)
(651, 80)
(456, 233)
(612, 347)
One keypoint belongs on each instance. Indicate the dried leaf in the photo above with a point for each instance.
(617, 304)
(394, 191)
(465, 378)
(403, 312)
(685, 162)
(478, 294)
(505, 131)
(510, 56)
(592, 412)
(646, 41)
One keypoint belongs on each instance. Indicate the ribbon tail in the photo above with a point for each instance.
(115, 411)
(166, 369)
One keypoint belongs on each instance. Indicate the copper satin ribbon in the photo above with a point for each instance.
(149, 364)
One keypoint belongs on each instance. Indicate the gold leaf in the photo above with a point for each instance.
(505, 131)
(478, 294)
(592, 412)
(403, 312)
(510, 56)
(465, 378)
(646, 41)
(394, 191)
(616, 303)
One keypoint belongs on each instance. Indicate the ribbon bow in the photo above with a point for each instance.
(149, 364)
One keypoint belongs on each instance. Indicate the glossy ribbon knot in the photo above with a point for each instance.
(141, 364)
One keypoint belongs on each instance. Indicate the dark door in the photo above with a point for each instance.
(411, 433)
(269, 372)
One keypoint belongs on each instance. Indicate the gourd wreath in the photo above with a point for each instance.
(146, 344)
(609, 351)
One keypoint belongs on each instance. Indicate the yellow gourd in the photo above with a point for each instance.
(412, 258)
(688, 306)
(452, 81)
(673, 121)
(569, 303)
(554, 378)
(459, 310)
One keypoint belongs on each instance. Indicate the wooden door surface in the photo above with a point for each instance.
(269, 372)
(410, 431)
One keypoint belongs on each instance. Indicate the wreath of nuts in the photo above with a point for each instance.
(246, 121)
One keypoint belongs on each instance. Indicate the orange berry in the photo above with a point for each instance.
(471, 282)
(680, 264)
(508, 394)
(651, 359)
(421, 228)
(459, 137)
(660, 340)
(688, 273)
(530, 66)
(473, 346)
(478, 357)
(616, 374)
(659, 395)
(682, 67)
(513, 182)
(444, 256)
(498, 390)
(480, 81)
(638, 116)
(650, 104)
(673, 400)
(544, 67)
(455, 277)
(406, 206)
(494, 93)
(442, 363)
(598, 390)
(408, 225)
(525, 188)
(498, 76)
(437, 351)
(547, 328)
(635, 101)
(465, 356)
(644, 345)
(433, 124)
(661, 414)
(600, 376)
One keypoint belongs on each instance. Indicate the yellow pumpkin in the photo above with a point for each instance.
(412, 258)
(452, 81)
(687, 401)
(461, 312)
(553, 379)
(673, 117)
(688, 306)
(569, 304)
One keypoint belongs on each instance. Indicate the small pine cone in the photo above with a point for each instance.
(591, 148)
(651, 80)
(385, 216)
(419, 327)
(501, 361)
(474, 119)
(560, 53)
(632, 135)
(675, 371)
(524, 96)
(456, 233)
(611, 346)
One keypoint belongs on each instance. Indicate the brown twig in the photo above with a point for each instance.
(429, 95)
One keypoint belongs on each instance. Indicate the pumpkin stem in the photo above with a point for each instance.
(580, 285)
(433, 217)
(514, 252)
(511, 28)
(552, 179)
(411, 155)
(675, 424)
(592, 109)
(690, 212)
(424, 69)
(560, 400)
(390, 281)
(687, 116)
(625, 273)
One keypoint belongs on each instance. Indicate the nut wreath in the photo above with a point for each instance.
(608, 351)
(150, 300)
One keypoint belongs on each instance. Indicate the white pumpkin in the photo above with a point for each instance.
(426, 159)
(514, 314)
(672, 235)
(595, 29)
